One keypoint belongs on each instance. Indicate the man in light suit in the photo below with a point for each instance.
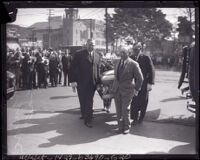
(128, 83)
(84, 73)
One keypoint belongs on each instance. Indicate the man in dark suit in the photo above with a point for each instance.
(140, 102)
(65, 63)
(84, 73)
(53, 69)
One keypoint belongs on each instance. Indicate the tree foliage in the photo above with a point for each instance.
(184, 27)
(140, 23)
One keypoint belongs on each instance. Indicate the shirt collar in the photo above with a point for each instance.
(125, 61)
(91, 53)
(139, 55)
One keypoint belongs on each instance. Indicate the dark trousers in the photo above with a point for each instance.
(20, 80)
(86, 101)
(59, 77)
(66, 77)
(40, 74)
(32, 82)
(34, 78)
(53, 78)
(44, 79)
(25, 79)
(139, 104)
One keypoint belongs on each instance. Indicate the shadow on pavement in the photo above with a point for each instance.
(186, 149)
(32, 113)
(161, 131)
(154, 116)
(62, 97)
(173, 99)
(69, 128)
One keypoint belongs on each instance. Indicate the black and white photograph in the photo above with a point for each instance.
(102, 81)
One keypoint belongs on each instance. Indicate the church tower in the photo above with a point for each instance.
(71, 14)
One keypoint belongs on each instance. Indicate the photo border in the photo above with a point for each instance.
(91, 4)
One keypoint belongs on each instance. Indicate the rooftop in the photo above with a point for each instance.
(55, 23)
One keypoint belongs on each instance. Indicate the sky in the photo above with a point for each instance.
(29, 16)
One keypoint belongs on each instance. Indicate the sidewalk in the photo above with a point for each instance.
(46, 121)
(167, 104)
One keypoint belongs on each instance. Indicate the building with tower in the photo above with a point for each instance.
(68, 30)
(73, 31)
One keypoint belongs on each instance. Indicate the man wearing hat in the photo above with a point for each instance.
(84, 73)
(140, 102)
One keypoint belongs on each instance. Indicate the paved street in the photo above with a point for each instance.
(46, 121)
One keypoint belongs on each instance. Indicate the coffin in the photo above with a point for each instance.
(106, 84)
(108, 77)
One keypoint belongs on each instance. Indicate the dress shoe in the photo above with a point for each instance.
(88, 124)
(108, 110)
(134, 123)
(126, 131)
(119, 131)
(182, 91)
(140, 121)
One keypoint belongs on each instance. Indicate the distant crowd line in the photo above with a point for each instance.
(44, 68)
(36, 69)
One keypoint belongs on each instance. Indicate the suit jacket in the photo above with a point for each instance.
(65, 62)
(130, 78)
(147, 69)
(83, 70)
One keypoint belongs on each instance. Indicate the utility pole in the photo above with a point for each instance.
(106, 14)
(91, 34)
(49, 28)
(33, 39)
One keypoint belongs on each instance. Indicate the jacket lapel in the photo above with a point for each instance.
(125, 67)
(117, 69)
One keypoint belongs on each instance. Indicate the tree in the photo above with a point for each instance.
(189, 13)
(141, 24)
(110, 29)
(185, 28)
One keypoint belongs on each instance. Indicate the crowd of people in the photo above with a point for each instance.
(82, 71)
(38, 68)
(134, 76)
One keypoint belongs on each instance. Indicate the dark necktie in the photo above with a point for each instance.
(90, 57)
(120, 69)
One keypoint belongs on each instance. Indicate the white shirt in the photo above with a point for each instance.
(125, 61)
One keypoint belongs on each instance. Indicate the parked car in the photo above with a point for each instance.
(11, 81)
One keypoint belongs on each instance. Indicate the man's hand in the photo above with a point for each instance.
(74, 86)
(135, 92)
(149, 87)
